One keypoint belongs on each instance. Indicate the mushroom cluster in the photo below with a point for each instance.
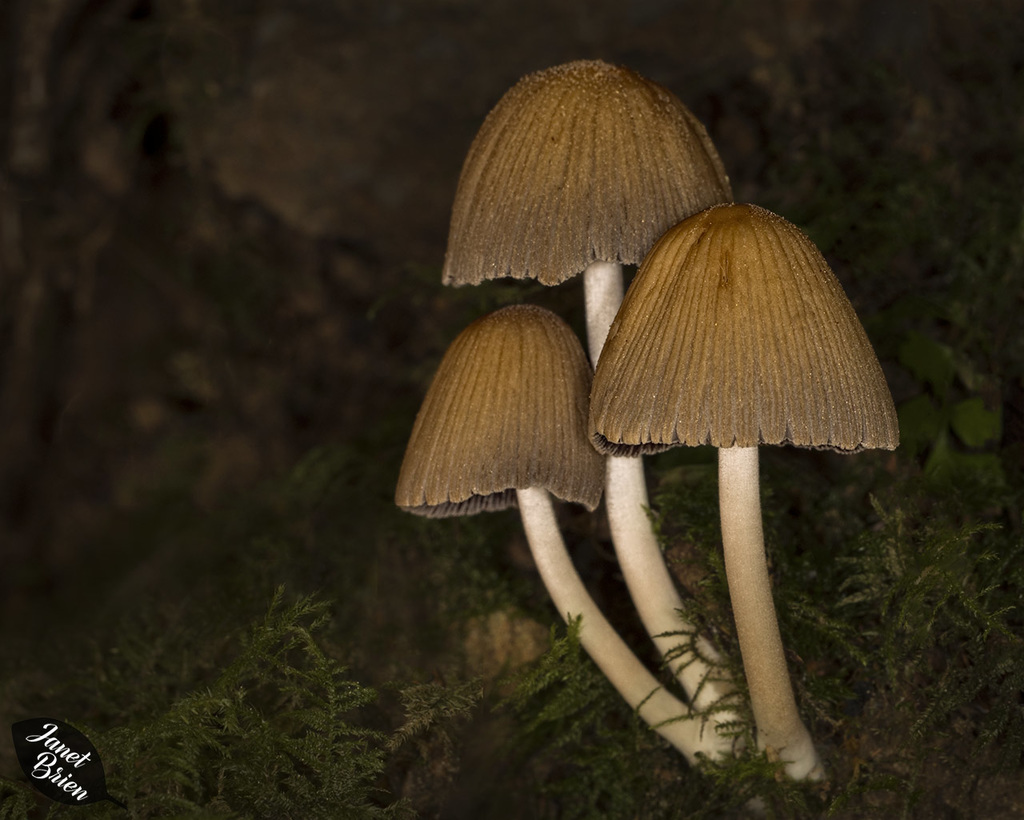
(734, 333)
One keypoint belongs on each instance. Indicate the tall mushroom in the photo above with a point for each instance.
(735, 333)
(581, 167)
(504, 424)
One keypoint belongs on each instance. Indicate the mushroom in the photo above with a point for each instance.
(735, 333)
(504, 424)
(581, 167)
(584, 162)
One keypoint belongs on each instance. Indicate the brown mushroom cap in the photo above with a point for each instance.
(735, 332)
(507, 410)
(579, 163)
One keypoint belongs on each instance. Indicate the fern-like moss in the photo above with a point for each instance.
(280, 731)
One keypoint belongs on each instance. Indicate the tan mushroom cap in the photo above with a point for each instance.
(578, 163)
(507, 410)
(735, 332)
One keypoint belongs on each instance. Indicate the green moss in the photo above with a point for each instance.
(280, 730)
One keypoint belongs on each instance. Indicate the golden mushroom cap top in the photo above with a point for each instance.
(507, 410)
(578, 163)
(735, 332)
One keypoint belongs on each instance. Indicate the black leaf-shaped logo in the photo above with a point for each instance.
(60, 761)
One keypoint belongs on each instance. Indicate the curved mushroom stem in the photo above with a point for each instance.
(779, 727)
(643, 566)
(666, 714)
(652, 589)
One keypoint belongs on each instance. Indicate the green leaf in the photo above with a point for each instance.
(929, 361)
(941, 460)
(983, 467)
(974, 424)
(921, 422)
(946, 463)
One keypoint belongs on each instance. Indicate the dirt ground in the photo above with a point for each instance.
(222, 221)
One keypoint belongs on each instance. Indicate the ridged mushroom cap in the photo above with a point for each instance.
(735, 332)
(507, 410)
(578, 163)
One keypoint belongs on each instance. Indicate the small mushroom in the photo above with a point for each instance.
(735, 333)
(581, 167)
(506, 410)
(504, 424)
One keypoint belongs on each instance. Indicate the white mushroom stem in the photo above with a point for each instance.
(602, 295)
(662, 711)
(779, 728)
(652, 588)
(643, 566)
